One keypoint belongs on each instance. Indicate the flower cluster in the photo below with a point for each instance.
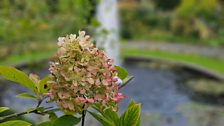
(82, 75)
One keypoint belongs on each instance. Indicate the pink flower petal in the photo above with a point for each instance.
(90, 100)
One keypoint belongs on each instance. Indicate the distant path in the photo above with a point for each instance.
(202, 50)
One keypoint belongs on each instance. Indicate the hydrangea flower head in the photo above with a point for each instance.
(82, 75)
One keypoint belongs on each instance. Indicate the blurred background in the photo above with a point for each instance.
(173, 48)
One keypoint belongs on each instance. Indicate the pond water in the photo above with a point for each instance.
(156, 91)
(164, 100)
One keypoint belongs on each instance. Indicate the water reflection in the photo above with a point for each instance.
(165, 97)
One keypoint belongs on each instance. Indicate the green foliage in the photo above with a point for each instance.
(66, 120)
(122, 73)
(206, 63)
(204, 7)
(190, 21)
(2, 109)
(39, 87)
(199, 21)
(26, 58)
(127, 79)
(25, 95)
(107, 116)
(152, 21)
(43, 86)
(52, 116)
(131, 116)
(15, 123)
(101, 119)
(166, 4)
(47, 123)
(39, 109)
(112, 116)
(15, 75)
(30, 110)
(95, 22)
(32, 22)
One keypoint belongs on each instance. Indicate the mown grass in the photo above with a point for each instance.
(16, 59)
(210, 64)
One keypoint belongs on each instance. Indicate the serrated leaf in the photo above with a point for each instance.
(18, 76)
(131, 116)
(15, 123)
(101, 119)
(122, 73)
(25, 95)
(66, 120)
(47, 123)
(43, 86)
(2, 109)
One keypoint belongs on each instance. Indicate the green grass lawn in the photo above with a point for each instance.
(210, 64)
(26, 58)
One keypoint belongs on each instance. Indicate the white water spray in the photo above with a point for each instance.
(108, 32)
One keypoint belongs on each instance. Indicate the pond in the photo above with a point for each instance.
(161, 89)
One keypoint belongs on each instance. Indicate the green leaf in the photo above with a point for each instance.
(138, 123)
(108, 114)
(97, 106)
(132, 103)
(41, 109)
(125, 81)
(34, 78)
(30, 110)
(131, 116)
(2, 109)
(18, 76)
(25, 95)
(53, 116)
(95, 22)
(47, 123)
(15, 123)
(122, 73)
(43, 86)
(112, 116)
(53, 110)
(66, 120)
(101, 119)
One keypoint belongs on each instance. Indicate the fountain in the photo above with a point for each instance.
(108, 32)
(165, 99)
